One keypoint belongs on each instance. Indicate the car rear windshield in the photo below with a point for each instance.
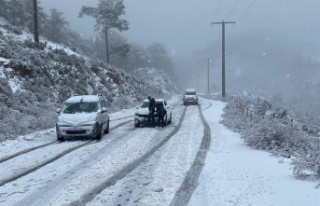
(191, 93)
(79, 107)
(144, 105)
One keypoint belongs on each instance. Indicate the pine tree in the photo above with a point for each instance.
(159, 58)
(3, 8)
(55, 25)
(20, 13)
(16, 14)
(107, 15)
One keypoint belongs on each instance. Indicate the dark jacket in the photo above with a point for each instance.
(152, 105)
(161, 110)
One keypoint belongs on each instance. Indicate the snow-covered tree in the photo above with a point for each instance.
(159, 58)
(15, 13)
(20, 13)
(55, 24)
(107, 15)
(137, 57)
(3, 8)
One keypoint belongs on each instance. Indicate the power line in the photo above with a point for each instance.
(215, 15)
(231, 31)
(232, 9)
(245, 12)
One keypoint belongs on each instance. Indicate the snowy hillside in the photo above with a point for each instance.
(36, 78)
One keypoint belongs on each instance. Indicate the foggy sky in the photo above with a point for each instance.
(183, 26)
(272, 50)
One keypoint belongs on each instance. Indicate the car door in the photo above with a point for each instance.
(167, 106)
(105, 116)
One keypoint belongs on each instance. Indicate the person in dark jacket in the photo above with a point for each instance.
(161, 111)
(152, 104)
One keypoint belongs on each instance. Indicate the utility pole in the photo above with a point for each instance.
(198, 82)
(208, 75)
(107, 46)
(223, 55)
(35, 21)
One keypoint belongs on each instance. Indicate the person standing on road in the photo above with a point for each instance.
(152, 104)
(161, 113)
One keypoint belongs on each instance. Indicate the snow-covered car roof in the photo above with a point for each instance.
(190, 90)
(157, 100)
(85, 98)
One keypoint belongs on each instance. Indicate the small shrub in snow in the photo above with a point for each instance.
(4, 87)
(274, 134)
(34, 45)
(13, 29)
(60, 52)
(115, 78)
(25, 115)
(122, 102)
(5, 52)
(19, 67)
(269, 135)
(308, 160)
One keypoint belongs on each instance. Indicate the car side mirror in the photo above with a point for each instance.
(103, 110)
(58, 110)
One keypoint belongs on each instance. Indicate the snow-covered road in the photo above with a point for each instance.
(149, 166)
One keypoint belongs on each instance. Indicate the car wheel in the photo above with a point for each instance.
(136, 125)
(166, 121)
(60, 139)
(100, 133)
(106, 131)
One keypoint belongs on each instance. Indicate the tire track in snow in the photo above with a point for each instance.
(44, 163)
(86, 198)
(58, 184)
(25, 151)
(207, 107)
(190, 182)
(48, 144)
(120, 118)
(36, 167)
(142, 183)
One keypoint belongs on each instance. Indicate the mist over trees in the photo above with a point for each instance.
(159, 58)
(107, 15)
(20, 13)
(266, 62)
(54, 27)
(56, 23)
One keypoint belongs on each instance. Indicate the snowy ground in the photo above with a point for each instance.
(146, 166)
(235, 174)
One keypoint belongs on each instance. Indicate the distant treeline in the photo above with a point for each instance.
(54, 27)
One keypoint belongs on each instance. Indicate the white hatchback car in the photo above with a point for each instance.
(190, 97)
(83, 116)
(142, 113)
